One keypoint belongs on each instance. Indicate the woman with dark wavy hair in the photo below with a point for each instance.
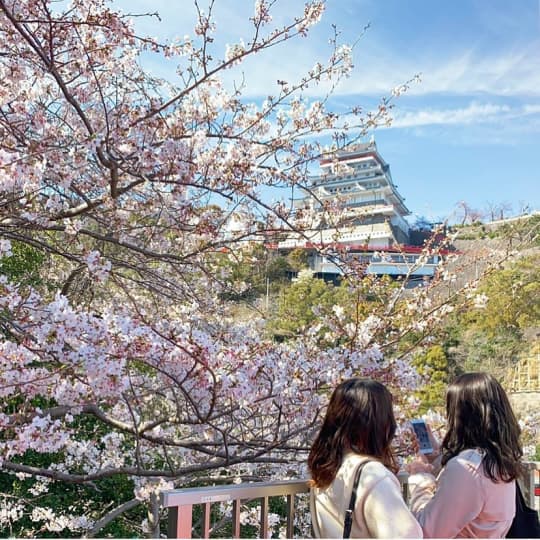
(474, 495)
(359, 427)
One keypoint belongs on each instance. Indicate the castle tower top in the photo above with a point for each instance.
(359, 176)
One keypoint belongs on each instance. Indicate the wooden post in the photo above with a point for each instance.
(290, 516)
(180, 521)
(236, 518)
(264, 517)
(206, 521)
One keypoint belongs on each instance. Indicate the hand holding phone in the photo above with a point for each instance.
(422, 435)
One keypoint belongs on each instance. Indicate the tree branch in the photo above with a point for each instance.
(112, 515)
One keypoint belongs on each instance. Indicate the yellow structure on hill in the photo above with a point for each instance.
(525, 375)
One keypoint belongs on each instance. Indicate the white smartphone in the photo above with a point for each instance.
(421, 432)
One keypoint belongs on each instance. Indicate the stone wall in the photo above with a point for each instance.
(525, 402)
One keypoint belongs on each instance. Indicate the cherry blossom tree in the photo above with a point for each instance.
(125, 185)
(466, 214)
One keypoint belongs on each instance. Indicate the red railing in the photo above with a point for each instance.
(405, 249)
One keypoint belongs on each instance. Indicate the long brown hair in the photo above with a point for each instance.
(480, 416)
(360, 418)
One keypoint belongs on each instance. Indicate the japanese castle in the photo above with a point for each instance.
(370, 223)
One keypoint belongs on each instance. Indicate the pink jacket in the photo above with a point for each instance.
(462, 502)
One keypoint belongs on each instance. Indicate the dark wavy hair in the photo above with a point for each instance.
(480, 416)
(360, 418)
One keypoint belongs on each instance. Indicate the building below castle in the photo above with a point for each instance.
(353, 209)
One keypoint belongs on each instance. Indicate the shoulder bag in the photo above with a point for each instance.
(525, 523)
(350, 511)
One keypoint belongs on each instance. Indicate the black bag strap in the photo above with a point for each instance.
(520, 499)
(525, 523)
(350, 511)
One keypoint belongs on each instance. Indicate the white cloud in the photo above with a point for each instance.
(474, 113)
(514, 73)
(531, 109)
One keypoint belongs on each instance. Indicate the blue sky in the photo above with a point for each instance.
(470, 130)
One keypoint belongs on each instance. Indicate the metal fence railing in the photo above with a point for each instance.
(181, 502)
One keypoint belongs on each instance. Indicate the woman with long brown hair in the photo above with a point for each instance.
(357, 432)
(474, 494)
